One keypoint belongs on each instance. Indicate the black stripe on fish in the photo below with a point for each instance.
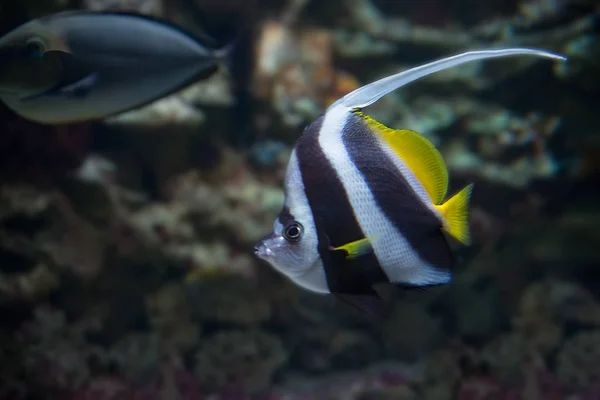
(285, 216)
(334, 220)
(394, 195)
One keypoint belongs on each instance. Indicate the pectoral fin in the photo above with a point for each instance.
(357, 248)
(74, 81)
(80, 88)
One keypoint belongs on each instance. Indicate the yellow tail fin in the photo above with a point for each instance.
(456, 215)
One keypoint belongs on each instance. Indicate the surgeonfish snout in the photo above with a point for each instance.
(366, 204)
(80, 66)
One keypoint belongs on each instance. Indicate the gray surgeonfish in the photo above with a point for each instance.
(80, 66)
(366, 204)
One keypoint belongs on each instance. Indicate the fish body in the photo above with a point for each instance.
(76, 66)
(366, 204)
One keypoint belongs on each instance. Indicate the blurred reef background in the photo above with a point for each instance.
(126, 265)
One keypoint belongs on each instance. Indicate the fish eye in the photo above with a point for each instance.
(35, 45)
(293, 232)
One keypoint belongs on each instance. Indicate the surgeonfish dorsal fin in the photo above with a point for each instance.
(455, 213)
(419, 155)
(370, 93)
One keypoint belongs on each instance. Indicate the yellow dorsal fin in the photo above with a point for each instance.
(455, 213)
(419, 155)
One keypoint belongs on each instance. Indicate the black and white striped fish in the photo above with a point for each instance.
(364, 204)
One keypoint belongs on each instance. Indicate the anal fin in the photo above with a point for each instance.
(373, 304)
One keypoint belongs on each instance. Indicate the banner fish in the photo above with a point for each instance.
(366, 204)
(80, 65)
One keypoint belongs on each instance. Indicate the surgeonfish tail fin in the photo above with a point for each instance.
(226, 54)
(455, 213)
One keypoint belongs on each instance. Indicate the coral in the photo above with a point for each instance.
(13, 381)
(410, 332)
(152, 7)
(467, 303)
(329, 347)
(401, 393)
(237, 358)
(570, 237)
(215, 91)
(55, 354)
(542, 383)
(269, 154)
(171, 113)
(442, 372)
(137, 357)
(578, 360)
(229, 300)
(17, 13)
(482, 388)
(40, 153)
(528, 31)
(583, 59)
(170, 316)
(506, 357)
(175, 383)
(546, 306)
(381, 380)
(42, 236)
(237, 210)
(166, 226)
(352, 349)
(498, 133)
(294, 71)
(97, 169)
(74, 242)
(22, 277)
(29, 286)
(104, 388)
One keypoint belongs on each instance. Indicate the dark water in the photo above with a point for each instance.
(126, 264)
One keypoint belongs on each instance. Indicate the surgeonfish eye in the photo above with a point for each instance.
(36, 46)
(293, 232)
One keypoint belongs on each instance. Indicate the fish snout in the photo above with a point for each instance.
(261, 250)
